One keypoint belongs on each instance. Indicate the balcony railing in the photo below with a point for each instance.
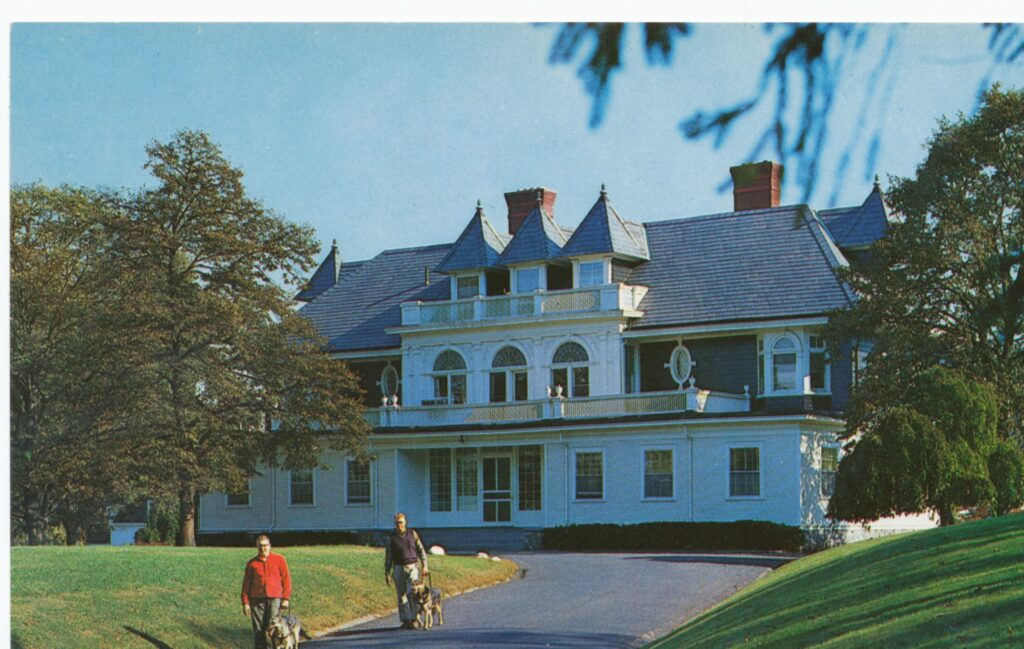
(690, 399)
(608, 297)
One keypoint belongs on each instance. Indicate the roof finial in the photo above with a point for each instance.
(540, 198)
(334, 243)
(604, 192)
(877, 186)
(479, 206)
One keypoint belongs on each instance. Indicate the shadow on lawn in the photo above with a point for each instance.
(720, 559)
(148, 638)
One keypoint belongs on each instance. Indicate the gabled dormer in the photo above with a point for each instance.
(605, 246)
(325, 277)
(475, 252)
(534, 256)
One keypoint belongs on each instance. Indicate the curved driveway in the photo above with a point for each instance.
(584, 601)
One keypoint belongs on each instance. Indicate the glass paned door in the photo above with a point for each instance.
(497, 492)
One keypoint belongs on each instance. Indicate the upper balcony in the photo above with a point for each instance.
(607, 298)
(691, 399)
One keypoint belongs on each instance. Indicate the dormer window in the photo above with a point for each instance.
(449, 378)
(527, 280)
(591, 273)
(784, 366)
(467, 286)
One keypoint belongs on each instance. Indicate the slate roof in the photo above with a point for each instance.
(539, 238)
(479, 246)
(855, 227)
(325, 277)
(756, 264)
(604, 231)
(354, 313)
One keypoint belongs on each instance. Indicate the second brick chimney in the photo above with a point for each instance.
(521, 203)
(755, 186)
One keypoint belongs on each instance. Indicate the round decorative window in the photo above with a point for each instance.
(680, 364)
(389, 381)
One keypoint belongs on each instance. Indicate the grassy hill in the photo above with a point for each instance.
(114, 598)
(961, 586)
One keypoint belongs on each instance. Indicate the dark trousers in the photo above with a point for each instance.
(262, 610)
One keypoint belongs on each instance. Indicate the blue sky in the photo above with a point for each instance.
(385, 135)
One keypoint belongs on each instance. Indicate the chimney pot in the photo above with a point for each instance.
(521, 203)
(756, 186)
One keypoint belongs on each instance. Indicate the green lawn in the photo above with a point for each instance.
(961, 586)
(93, 597)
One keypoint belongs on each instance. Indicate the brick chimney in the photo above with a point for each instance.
(755, 186)
(521, 203)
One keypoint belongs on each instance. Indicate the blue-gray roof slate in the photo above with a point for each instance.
(603, 231)
(479, 246)
(757, 264)
(856, 227)
(539, 238)
(367, 299)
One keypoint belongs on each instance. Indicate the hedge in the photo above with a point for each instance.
(740, 535)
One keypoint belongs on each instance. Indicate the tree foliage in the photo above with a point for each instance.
(798, 83)
(187, 351)
(944, 288)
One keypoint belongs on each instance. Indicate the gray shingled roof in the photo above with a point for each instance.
(479, 246)
(855, 227)
(367, 298)
(604, 231)
(539, 238)
(758, 264)
(325, 277)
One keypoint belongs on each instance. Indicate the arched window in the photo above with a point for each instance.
(389, 381)
(508, 376)
(449, 378)
(570, 369)
(784, 366)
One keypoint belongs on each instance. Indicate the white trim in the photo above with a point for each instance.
(604, 475)
(313, 473)
(393, 353)
(643, 473)
(671, 333)
(738, 444)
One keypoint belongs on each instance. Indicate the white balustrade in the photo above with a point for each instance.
(690, 399)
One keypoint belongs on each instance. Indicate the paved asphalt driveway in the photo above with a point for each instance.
(584, 601)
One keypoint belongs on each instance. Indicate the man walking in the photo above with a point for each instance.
(401, 553)
(266, 588)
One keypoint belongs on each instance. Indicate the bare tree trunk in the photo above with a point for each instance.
(187, 518)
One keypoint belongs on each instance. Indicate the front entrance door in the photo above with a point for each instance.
(497, 489)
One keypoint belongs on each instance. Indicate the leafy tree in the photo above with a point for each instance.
(68, 387)
(797, 86)
(221, 352)
(931, 452)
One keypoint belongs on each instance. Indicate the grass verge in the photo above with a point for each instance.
(960, 586)
(100, 597)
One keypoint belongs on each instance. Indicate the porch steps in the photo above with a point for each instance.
(460, 540)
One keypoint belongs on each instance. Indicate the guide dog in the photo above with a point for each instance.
(429, 601)
(283, 632)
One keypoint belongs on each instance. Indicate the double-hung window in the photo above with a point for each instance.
(508, 376)
(591, 273)
(466, 482)
(570, 369)
(467, 286)
(449, 378)
(357, 482)
(239, 498)
(744, 472)
(589, 475)
(784, 366)
(829, 466)
(530, 465)
(440, 480)
(301, 487)
(819, 365)
(658, 473)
